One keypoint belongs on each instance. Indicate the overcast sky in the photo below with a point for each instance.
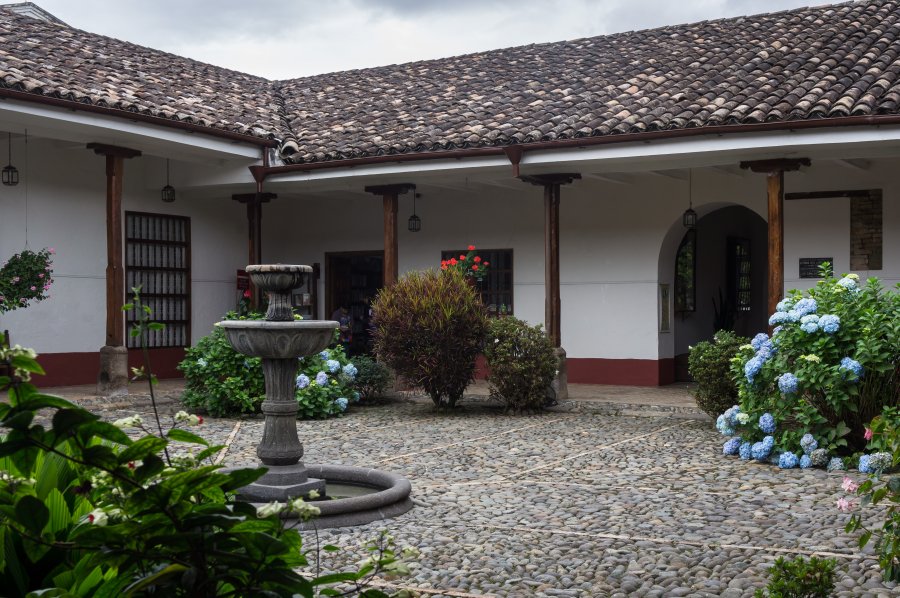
(291, 38)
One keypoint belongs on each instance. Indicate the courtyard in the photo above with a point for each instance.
(624, 494)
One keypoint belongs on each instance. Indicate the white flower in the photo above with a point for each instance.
(129, 422)
(273, 508)
(303, 509)
(496, 340)
(202, 362)
(97, 517)
(313, 494)
(742, 418)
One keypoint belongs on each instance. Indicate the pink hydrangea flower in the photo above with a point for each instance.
(868, 434)
(849, 485)
(51, 251)
(33, 288)
(844, 505)
(41, 275)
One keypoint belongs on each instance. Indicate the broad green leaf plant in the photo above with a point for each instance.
(87, 509)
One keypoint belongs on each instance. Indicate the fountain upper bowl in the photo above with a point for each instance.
(277, 278)
(279, 340)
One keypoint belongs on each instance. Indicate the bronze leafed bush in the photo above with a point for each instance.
(429, 329)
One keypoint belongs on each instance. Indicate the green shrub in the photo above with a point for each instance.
(709, 363)
(429, 329)
(122, 517)
(832, 365)
(219, 380)
(522, 363)
(799, 578)
(25, 277)
(881, 490)
(372, 377)
(222, 382)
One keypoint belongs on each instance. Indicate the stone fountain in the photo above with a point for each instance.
(280, 340)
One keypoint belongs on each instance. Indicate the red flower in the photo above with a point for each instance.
(475, 267)
(443, 266)
(487, 263)
(477, 259)
(471, 248)
(453, 261)
(246, 293)
(462, 257)
(199, 419)
(443, 262)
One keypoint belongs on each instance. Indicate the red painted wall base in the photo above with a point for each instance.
(624, 372)
(70, 369)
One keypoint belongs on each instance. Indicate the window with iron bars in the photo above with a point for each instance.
(158, 259)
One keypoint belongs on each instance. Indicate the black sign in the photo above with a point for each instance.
(809, 266)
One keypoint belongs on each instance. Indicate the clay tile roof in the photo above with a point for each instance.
(811, 63)
(54, 60)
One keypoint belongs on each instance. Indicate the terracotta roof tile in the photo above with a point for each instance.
(810, 63)
(55, 60)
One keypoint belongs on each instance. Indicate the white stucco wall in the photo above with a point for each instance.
(66, 189)
(617, 241)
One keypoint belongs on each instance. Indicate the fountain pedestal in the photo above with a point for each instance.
(359, 495)
(279, 341)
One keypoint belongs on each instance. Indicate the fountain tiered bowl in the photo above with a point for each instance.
(352, 495)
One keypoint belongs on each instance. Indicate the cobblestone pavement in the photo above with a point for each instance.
(579, 501)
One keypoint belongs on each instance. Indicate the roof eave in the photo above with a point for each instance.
(261, 173)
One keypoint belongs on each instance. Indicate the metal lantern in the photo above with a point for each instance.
(168, 192)
(689, 219)
(414, 224)
(10, 175)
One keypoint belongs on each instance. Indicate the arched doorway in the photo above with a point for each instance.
(717, 277)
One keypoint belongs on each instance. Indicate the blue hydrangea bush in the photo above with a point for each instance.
(807, 393)
(222, 382)
(325, 384)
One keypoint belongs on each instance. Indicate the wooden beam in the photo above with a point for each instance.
(563, 178)
(389, 197)
(775, 165)
(254, 203)
(115, 267)
(552, 307)
(775, 192)
(104, 149)
(827, 194)
(391, 265)
(115, 270)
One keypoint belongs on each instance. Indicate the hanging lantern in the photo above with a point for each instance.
(414, 224)
(168, 192)
(689, 219)
(10, 175)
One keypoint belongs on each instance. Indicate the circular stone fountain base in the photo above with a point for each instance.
(358, 496)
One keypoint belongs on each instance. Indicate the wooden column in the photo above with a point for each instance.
(115, 268)
(774, 171)
(775, 192)
(552, 304)
(254, 202)
(390, 198)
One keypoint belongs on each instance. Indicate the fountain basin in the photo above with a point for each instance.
(370, 495)
(279, 340)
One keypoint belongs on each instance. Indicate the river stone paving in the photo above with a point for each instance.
(578, 501)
